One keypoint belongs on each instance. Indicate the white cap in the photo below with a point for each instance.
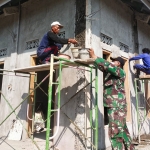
(56, 23)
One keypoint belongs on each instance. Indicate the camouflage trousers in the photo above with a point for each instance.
(118, 132)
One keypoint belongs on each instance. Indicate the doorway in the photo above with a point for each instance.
(39, 103)
(106, 56)
(41, 106)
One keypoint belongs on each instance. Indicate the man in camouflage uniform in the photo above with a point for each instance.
(115, 101)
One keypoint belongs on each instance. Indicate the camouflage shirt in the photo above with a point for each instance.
(114, 78)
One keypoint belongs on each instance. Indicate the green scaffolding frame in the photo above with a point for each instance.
(95, 128)
(140, 117)
(94, 109)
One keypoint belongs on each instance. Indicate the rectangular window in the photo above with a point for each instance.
(106, 39)
(123, 47)
(32, 44)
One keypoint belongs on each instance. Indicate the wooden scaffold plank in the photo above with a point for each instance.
(44, 67)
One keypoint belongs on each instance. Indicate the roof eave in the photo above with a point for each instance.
(146, 3)
(4, 2)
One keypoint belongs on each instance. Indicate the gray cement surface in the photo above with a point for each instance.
(28, 145)
(21, 145)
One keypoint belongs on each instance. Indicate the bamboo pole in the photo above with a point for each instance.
(30, 136)
(24, 99)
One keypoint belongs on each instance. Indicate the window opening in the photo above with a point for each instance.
(106, 120)
(62, 34)
(32, 44)
(106, 39)
(3, 52)
(123, 47)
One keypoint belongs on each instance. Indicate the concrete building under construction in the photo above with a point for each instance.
(112, 28)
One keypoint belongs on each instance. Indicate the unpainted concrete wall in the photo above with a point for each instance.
(144, 37)
(12, 88)
(115, 20)
(36, 17)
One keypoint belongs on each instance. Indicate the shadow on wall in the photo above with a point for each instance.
(69, 108)
(134, 116)
(22, 114)
(73, 107)
(23, 110)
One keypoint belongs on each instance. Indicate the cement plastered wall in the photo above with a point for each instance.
(144, 37)
(36, 20)
(36, 17)
(68, 136)
(12, 88)
(113, 19)
(34, 24)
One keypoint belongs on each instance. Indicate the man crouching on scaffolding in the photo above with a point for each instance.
(146, 61)
(115, 101)
(51, 43)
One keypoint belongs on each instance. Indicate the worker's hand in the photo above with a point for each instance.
(91, 53)
(73, 41)
(130, 58)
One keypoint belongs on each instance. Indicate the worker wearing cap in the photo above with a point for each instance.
(51, 43)
(114, 99)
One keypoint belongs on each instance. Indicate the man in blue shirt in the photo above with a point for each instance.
(51, 43)
(146, 61)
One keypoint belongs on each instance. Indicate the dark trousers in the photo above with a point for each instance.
(142, 68)
(45, 54)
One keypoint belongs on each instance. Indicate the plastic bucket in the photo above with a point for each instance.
(84, 54)
(75, 52)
